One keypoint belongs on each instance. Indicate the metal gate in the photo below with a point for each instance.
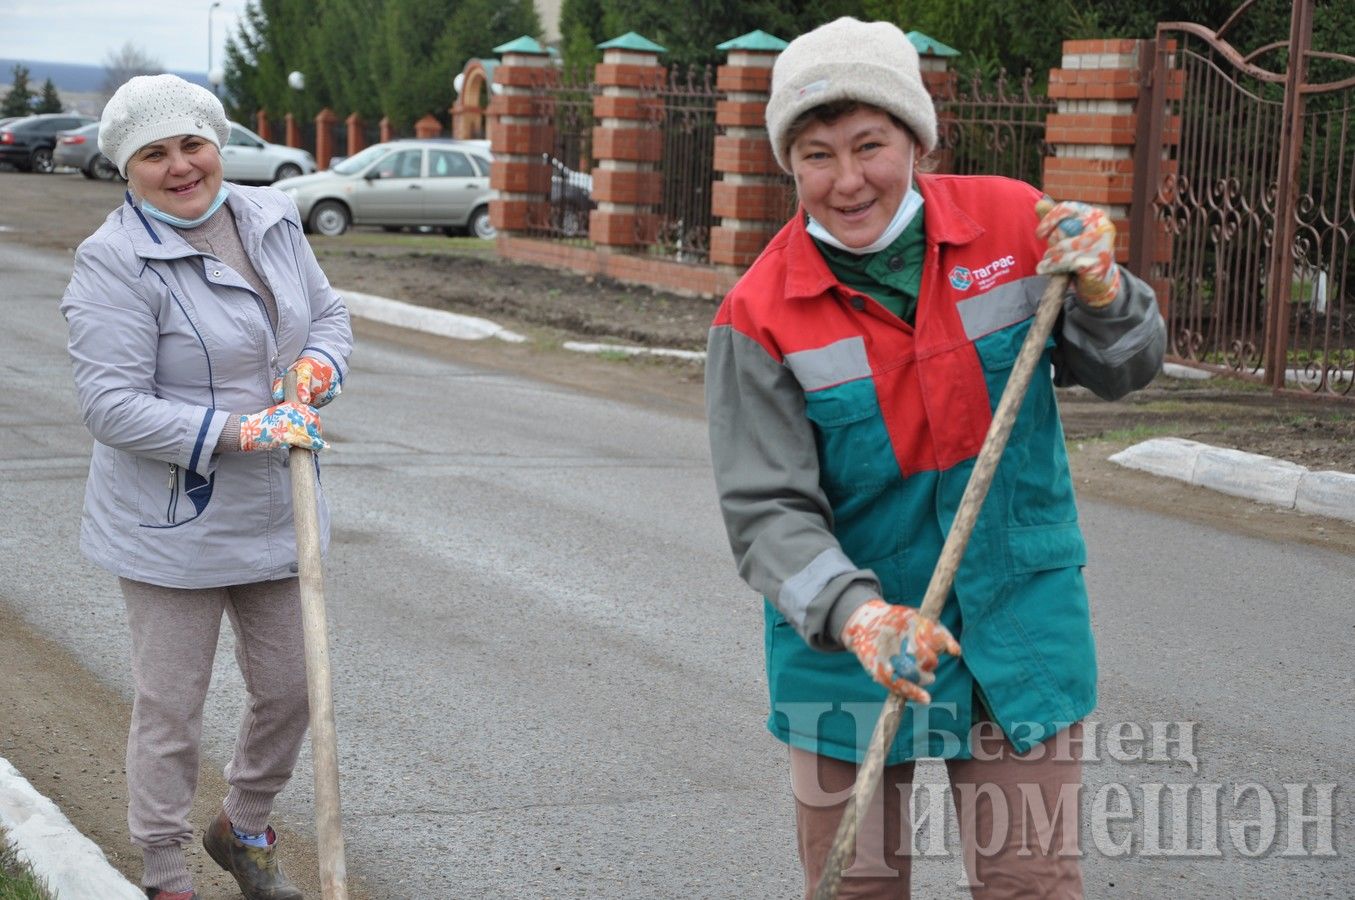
(1256, 200)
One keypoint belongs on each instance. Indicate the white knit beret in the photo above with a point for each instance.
(847, 59)
(150, 108)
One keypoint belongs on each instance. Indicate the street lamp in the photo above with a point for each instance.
(215, 82)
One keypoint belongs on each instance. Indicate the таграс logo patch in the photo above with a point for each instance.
(963, 278)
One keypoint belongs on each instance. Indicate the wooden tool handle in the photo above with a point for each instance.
(943, 576)
(324, 742)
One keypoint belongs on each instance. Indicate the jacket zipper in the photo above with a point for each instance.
(173, 508)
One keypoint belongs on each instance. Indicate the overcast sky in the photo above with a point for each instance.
(172, 32)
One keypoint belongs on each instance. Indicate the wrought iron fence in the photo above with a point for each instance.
(685, 116)
(566, 109)
(1218, 204)
(989, 127)
(993, 127)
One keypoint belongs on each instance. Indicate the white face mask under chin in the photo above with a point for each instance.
(911, 205)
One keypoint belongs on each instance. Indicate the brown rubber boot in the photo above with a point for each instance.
(256, 869)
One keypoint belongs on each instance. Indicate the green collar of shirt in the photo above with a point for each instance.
(892, 276)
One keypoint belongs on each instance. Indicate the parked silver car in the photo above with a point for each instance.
(79, 149)
(248, 158)
(439, 183)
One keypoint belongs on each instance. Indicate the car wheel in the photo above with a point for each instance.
(40, 160)
(480, 226)
(330, 218)
(102, 168)
(287, 170)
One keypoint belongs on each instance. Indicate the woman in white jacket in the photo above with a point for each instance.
(185, 310)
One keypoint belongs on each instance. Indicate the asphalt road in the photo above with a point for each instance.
(548, 678)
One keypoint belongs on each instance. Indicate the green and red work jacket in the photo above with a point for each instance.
(843, 437)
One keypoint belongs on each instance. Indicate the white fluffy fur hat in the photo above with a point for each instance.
(150, 108)
(847, 59)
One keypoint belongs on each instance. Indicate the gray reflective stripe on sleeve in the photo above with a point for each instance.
(1131, 342)
(1004, 305)
(824, 367)
(800, 589)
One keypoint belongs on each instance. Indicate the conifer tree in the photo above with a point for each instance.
(19, 100)
(51, 100)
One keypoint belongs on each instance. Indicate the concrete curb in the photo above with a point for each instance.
(422, 318)
(583, 347)
(1261, 478)
(72, 865)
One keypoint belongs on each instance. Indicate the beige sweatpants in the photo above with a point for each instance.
(1017, 816)
(174, 637)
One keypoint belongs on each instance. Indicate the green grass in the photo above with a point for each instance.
(615, 355)
(16, 881)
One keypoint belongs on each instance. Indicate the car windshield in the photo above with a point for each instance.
(236, 126)
(355, 164)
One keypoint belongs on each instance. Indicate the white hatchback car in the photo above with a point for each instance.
(248, 158)
(429, 183)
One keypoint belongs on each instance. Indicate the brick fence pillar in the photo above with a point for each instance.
(1094, 132)
(939, 79)
(428, 127)
(626, 143)
(324, 137)
(387, 131)
(751, 199)
(354, 135)
(262, 126)
(521, 136)
(293, 131)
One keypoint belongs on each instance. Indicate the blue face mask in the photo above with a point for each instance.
(150, 209)
(908, 208)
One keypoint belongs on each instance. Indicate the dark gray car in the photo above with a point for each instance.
(79, 149)
(27, 143)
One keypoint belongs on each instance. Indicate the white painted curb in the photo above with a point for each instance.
(582, 347)
(1327, 494)
(1190, 373)
(1250, 475)
(72, 865)
(1170, 457)
(425, 319)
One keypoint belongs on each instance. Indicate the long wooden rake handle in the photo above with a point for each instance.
(324, 743)
(868, 776)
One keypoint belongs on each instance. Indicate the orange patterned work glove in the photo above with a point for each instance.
(1081, 241)
(898, 647)
(316, 383)
(284, 425)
